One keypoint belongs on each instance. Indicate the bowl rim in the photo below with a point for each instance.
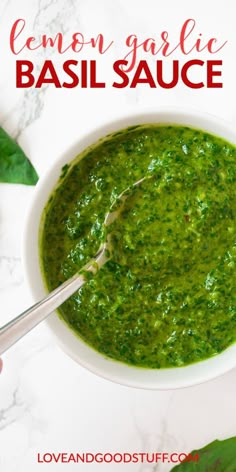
(86, 356)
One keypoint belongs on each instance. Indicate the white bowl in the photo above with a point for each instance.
(86, 356)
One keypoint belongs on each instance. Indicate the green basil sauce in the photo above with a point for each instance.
(167, 297)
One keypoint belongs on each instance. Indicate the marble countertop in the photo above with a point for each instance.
(47, 402)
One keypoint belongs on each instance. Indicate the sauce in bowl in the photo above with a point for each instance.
(167, 298)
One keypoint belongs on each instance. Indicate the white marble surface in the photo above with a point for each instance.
(47, 402)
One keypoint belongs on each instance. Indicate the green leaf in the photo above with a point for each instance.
(15, 168)
(218, 456)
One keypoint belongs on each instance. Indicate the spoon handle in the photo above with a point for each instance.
(22, 324)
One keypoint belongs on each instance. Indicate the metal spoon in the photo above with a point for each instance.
(22, 324)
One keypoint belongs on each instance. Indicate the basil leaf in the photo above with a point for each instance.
(218, 456)
(15, 168)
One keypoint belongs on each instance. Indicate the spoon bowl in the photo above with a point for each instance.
(70, 342)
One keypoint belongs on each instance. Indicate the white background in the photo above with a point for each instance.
(47, 402)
